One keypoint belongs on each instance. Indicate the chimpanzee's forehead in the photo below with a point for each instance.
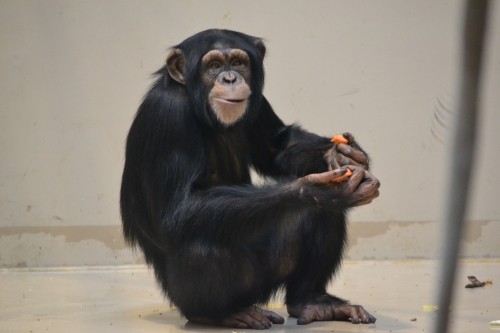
(227, 44)
(221, 46)
(217, 40)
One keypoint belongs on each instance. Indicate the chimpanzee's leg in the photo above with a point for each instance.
(219, 284)
(306, 298)
(219, 281)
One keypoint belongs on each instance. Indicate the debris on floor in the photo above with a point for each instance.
(429, 308)
(475, 283)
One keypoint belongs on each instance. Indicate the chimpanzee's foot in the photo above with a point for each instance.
(252, 317)
(327, 307)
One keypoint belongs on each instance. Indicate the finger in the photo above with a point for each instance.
(305, 318)
(364, 190)
(353, 153)
(368, 189)
(273, 317)
(235, 323)
(251, 321)
(334, 165)
(370, 178)
(259, 315)
(325, 177)
(364, 316)
(365, 201)
(349, 137)
(338, 174)
(351, 141)
(330, 158)
(343, 160)
(343, 177)
(355, 180)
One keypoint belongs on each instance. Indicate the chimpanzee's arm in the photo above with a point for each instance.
(286, 150)
(281, 150)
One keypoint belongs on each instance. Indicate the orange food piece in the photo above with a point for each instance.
(339, 138)
(343, 177)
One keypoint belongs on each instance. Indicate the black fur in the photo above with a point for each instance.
(218, 243)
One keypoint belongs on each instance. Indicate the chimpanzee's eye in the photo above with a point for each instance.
(214, 64)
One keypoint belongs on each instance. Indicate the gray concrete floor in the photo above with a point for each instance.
(126, 299)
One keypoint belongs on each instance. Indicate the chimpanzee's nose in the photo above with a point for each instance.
(229, 77)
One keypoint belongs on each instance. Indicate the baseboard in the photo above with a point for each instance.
(104, 245)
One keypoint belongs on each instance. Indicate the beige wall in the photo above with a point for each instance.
(72, 74)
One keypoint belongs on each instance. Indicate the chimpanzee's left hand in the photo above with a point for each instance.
(349, 153)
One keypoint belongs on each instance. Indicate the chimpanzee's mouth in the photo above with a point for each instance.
(231, 100)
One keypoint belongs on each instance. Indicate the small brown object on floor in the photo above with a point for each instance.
(475, 283)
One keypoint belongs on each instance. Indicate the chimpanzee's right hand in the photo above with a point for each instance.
(357, 190)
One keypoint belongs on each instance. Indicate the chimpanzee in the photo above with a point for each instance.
(219, 245)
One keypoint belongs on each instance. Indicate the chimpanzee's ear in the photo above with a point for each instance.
(261, 48)
(176, 65)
